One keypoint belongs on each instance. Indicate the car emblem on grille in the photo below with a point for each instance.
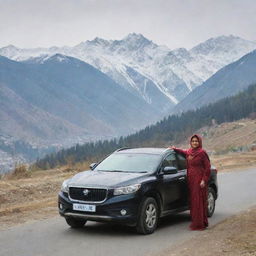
(86, 191)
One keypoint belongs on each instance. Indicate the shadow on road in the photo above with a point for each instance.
(110, 229)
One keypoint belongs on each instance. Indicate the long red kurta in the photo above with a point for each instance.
(198, 169)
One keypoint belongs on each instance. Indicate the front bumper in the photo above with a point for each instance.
(107, 211)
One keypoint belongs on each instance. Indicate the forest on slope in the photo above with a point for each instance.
(170, 130)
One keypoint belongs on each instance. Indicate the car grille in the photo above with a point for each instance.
(94, 195)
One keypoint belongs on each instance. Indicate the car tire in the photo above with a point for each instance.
(148, 216)
(211, 201)
(75, 223)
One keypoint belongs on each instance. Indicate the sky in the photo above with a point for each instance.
(174, 23)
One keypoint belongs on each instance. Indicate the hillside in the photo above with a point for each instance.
(70, 94)
(168, 131)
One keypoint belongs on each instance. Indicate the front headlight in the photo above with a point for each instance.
(126, 190)
(64, 186)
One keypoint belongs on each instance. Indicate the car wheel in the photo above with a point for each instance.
(148, 216)
(75, 223)
(211, 201)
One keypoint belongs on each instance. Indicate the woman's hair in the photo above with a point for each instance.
(194, 136)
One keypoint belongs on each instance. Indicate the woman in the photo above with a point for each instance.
(198, 174)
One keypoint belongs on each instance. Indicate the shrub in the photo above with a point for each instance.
(20, 171)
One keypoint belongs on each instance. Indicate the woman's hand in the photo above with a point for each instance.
(202, 184)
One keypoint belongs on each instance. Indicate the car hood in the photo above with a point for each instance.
(106, 179)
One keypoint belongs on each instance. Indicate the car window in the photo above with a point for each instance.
(182, 164)
(130, 162)
(169, 160)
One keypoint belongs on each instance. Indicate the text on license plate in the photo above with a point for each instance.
(84, 207)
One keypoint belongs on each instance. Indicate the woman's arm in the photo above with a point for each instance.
(207, 167)
(179, 150)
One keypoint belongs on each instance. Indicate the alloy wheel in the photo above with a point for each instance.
(211, 202)
(151, 215)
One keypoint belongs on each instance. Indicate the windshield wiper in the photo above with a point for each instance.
(120, 171)
(110, 171)
(104, 170)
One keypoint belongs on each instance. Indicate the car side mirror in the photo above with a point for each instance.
(93, 165)
(170, 170)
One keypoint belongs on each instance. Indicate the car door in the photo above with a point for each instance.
(171, 185)
(182, 169)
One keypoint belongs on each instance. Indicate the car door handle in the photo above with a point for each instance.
(181, 178)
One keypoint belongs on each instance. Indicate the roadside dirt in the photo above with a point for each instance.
(31, 198)
(235, 236)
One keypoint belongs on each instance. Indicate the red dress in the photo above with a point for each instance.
(198, 169)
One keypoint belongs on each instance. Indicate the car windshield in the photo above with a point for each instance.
(123, 162)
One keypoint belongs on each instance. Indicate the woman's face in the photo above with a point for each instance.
(194, 142)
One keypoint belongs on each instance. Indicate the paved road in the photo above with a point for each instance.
(53, 237)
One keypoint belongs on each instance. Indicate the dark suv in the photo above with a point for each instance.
(133, 186)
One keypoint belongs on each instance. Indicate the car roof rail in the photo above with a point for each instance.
(120, 149)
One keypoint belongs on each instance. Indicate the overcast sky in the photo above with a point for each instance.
(175, 23)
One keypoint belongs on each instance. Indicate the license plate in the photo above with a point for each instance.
(84, 207)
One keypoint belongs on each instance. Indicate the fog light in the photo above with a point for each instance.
(123, 212)
(61, 207)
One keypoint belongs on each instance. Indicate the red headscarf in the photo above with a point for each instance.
(192, 152)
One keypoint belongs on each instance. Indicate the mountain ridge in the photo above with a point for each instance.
(167, 69)
(228, 81)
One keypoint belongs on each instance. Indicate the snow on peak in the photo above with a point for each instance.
(98, 41)
(40, 59)
(59, 57)
(224, 44)
(9, 51)
(132, 42)
(136, 40)
(135, 37)
(47, 58)
(170, 70)
(181, 53)
(221, 51)
(10, 47)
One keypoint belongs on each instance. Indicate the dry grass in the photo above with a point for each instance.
(21, 197)
(19, 172)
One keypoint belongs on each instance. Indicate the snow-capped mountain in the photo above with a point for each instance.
(143, 67)
(59, 101)
(226, 82)
(47, 95)
(221, 51)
